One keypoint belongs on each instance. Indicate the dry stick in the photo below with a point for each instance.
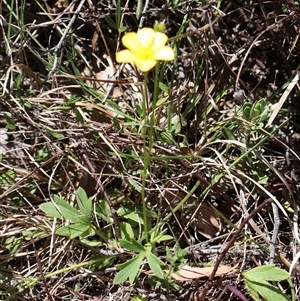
(277, 223)
(144, 11)
(230, 243)
(102, 189)
(38, 261)
(58, 48)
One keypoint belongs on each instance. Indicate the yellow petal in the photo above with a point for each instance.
(125, 56)
(160, 40)
(130, 41)
(144, 65)
(146, 37)
(165, 53)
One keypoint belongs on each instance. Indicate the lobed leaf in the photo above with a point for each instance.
(129, 269)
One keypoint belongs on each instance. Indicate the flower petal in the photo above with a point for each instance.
(160, 40)
(165, 53)
(131, 41)
(125, 56)
(144, 65)
(146, 37)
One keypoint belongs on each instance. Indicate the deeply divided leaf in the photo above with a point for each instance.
(129, 270)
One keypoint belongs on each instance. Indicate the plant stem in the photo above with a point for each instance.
(146, 154)
(148, 138)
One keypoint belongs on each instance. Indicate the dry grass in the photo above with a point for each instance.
(70, 118)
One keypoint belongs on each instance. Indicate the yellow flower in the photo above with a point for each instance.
(145, 48)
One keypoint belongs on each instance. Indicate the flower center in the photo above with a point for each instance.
(145, 53)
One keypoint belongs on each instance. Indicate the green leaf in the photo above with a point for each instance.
(132, 245)
(139, 298)
(118, 13)
(27, 105)
(155, 263)
(62, 209)
(228, 134)
(126, 231)
(130, 213)
(139, 9)
(73, 230)
(122, 29)
(54, 134)
(68, 211)
(91, 243)
(255, 111)
(78, 115)
(161, 101)
(116, 124)
(163, 87)
(252, 290)
(176, 124)
(129, 269)
(103, 211)
(85, 204)
(267, 291)
(266, 272)
(18, 81)
(33, 233)
(258, 285)
(110, 22)
(138, 110)
(12, 244)
(246, 110)
(264, 115)
(161, 236)
(73, 99)
(50, 209)
(10, 122)
(135, 184)
(167, 137)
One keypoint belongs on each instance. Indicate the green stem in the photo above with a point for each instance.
(148, 138)
(146, 155)
(153, 114)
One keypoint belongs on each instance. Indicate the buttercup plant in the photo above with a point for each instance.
(144, 49)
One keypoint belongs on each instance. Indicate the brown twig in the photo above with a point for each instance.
(39, 265)
(230, 243)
